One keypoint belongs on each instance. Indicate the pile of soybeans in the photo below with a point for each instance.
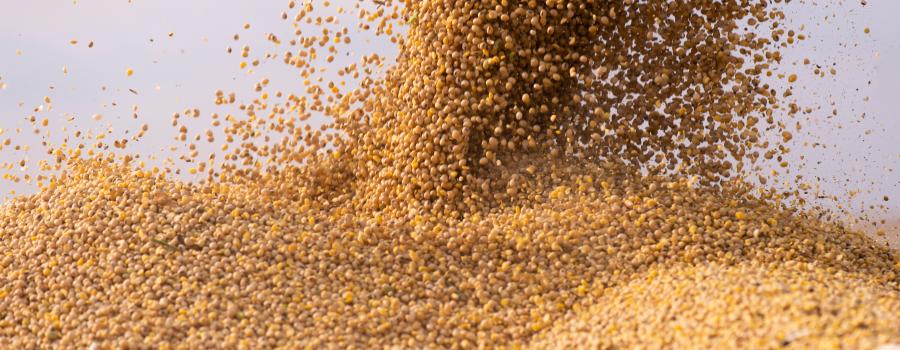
(526, 174)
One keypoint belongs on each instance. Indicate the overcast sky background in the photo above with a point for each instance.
(184, 71)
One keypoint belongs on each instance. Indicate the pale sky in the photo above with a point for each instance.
(184, 71)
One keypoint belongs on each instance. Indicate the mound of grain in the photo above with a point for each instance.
(786, 305)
